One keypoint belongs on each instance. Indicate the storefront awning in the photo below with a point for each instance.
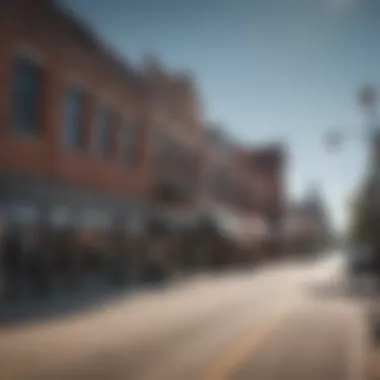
(241, 228)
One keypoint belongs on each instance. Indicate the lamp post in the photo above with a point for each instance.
(367, 99)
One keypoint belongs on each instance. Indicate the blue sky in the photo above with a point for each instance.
(268, 70)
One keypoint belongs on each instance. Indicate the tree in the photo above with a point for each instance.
(363, 224)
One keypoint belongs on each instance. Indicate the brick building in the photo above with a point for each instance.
(177, 146)
(89, 140)
(245, 187)
(73, 121)
(259, 175)
(307, 228)
(217, 181)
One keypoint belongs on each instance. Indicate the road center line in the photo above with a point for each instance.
(224, 368)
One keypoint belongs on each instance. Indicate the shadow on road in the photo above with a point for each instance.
(54, 306)
(60, 305)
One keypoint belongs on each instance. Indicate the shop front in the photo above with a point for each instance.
(66, 235)
(179, 237)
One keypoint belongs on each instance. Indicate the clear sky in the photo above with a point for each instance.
(267, 69)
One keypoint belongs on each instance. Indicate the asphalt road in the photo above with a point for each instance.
(285, 321)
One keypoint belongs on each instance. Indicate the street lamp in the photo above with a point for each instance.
(334, 139)
(367, 100)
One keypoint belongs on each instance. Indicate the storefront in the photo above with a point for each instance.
(245, 236)
(178, 228)
(56, 204)
(77, 230)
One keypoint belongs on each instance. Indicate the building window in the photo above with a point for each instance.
(74, 118)
(131, 144)
(27, 96)
(105, 132)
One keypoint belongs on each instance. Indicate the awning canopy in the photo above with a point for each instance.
(301, 227)
(241, 228)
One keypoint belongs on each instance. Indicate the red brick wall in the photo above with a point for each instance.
(176, 116)
(64, 62)
(69, 55)
(260, 173)
(271, 166)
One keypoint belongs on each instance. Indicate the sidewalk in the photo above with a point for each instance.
(374, 364)
(90, 296)
(59, 303)
(65, 302)
(371, 305)
(374, 339)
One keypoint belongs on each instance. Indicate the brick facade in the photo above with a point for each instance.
(49, 37)
(176, 126)
(248, 184)
(175, 156)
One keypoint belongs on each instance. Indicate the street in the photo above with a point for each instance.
(282, 321)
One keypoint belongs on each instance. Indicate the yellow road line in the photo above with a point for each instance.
(225, 367)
